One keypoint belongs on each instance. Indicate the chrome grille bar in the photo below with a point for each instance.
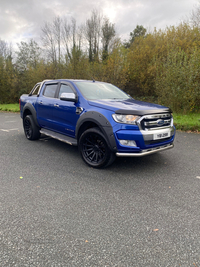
(155, 122)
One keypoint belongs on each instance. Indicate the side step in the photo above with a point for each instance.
(60, 137)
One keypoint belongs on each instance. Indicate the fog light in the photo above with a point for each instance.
(128, 143)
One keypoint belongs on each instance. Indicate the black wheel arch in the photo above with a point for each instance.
(93, 119)
(30, 110)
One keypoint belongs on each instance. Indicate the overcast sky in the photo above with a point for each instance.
(21, 20)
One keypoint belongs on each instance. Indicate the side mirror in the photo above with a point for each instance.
(68, 97)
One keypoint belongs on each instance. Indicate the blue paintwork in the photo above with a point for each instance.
(62, 118)
(124, 104)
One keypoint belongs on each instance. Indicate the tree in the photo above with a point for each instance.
(72, 41)
(5, 50)
(49, 38)
(116, 69)
(139, 31)
(195, 16)
(28, 55)
(56, 26)
(108, 32)
(93, 34)
(6, 73)
(66, 37)
(178, 80)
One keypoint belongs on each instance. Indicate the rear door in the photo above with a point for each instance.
(45, 107)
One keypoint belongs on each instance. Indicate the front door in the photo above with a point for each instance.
(65, 117)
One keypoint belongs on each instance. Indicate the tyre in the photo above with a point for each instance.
(31, 130)
(94, 149)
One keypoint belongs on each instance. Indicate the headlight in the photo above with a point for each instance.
(128, 119)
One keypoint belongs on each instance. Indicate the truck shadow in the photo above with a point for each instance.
(151, 163)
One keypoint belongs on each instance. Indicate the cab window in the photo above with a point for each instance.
(50, 90)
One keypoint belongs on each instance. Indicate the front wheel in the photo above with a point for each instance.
(94, 149)
(31, 130)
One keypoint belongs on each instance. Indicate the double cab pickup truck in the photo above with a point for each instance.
(99, 118)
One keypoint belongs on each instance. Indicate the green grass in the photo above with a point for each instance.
(9, 107)
(189, 122)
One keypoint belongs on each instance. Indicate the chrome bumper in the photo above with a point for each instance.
(146, 151)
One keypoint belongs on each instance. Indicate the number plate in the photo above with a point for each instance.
(161, 135)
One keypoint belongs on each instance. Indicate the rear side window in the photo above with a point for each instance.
(35, 90)
(50, 90)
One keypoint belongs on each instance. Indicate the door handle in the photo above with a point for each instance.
(40, 102)
(56, 105)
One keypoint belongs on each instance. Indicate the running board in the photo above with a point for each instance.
(60, 137)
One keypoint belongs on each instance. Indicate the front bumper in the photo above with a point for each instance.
(145, 152)
(147, 142)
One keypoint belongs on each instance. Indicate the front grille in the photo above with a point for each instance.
(157, 121)
(152, 142)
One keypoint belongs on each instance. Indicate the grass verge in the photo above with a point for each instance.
(189, 122)
(9, 107)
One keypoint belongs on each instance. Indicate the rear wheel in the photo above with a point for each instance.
(94, 149)
(31, 130)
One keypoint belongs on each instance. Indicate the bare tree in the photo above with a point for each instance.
(195, 16)
(72, 37)
(5, 49)
(56, 27)
(66, 36)
(51, 38)
(93, 34)
(49, 41)
(80, 32)
(63, 35)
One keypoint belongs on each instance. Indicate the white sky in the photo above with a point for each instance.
(21, 20)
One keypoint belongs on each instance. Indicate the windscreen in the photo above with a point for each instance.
(97, 90)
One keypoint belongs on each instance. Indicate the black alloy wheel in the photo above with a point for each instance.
(94, 148)
(31, 130)
(27, 128)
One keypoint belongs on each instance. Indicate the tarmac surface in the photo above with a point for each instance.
(57, 211)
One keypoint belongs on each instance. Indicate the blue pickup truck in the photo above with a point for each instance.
(102, 120)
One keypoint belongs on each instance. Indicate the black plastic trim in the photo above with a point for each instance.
(103, 124)
(142, 112)
(29, 106)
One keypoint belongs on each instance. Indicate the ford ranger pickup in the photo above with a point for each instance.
(99, 118)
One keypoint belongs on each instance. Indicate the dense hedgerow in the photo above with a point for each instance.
(164, 65)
